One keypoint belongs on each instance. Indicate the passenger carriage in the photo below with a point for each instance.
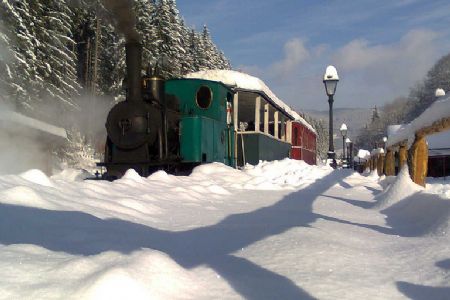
(260, 126)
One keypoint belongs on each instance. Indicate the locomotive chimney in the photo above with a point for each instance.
(134, 60)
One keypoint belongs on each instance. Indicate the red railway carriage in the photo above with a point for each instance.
(303, 143)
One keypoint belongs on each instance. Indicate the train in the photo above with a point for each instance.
(211, 116)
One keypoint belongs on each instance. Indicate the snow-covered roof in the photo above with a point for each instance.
(438, 152)
(393, 129)
(439, 140)
(362, 154)
(439, 110)
(17, 118)
(377, 151)
(242, 81)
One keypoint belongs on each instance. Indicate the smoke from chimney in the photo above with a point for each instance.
(122, 11)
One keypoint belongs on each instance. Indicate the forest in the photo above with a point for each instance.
(63, 61)
(54, 51)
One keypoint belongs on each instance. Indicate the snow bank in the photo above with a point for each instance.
(438, 186)
(420, 214)
(219, 233)
(274, 175)
(37, 176)
(283, 173)
(109, 275)
(71, 175)
(126, 277)
(412, 210)
(401, 188)
(25, 196)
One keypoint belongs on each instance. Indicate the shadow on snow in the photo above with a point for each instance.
(83, 234)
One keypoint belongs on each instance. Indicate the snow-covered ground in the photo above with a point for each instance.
(281, 230)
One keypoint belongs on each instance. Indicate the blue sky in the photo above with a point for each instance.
(380, 48)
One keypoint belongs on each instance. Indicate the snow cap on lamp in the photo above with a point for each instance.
(439, 93)
(331, 73)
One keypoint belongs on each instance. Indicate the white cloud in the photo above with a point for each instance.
(371, 74)
(388, 70)
(415, 46)
(295, 53)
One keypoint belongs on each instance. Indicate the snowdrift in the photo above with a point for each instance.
(420, 214)
(401, 188)
(281, 227)
(92, 239)
(411, 210)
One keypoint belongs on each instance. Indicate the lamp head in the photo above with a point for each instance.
(343, 129)
(330, 79)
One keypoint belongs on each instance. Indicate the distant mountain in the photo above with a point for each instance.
(354, 118)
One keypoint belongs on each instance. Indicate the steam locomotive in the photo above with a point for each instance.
(160, 127)
(177, 124)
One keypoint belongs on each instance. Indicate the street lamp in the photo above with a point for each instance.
(349, 152)
(384, 143)
(330, 79)
(343, 130)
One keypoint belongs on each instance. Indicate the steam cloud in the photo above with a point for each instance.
(123, 13)
(20, 149)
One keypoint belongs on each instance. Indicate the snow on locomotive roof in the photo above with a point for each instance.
(247, 82)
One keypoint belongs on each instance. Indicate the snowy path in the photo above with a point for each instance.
(279, 231)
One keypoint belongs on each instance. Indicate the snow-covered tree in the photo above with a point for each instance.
(77, 153)
(42, 67)
(145, 11)
(19, 64)
(168, 38)
(321, 128)
(54, 52)
(423, 94)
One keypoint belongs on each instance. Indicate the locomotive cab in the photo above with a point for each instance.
(205, 129)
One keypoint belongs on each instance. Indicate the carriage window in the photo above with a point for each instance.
(204, 97)
(295, 136)
(229, 97)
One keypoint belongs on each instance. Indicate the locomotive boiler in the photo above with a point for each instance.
(138, 133)
(172, 125)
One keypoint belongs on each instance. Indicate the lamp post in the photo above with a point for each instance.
(330, 79)
(384, 143)
(343, 130)
(349, 155)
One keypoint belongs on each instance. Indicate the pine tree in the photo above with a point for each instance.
(168, 38)
(321, 129)
(52, 24)
(187, 59)
(422, 95)
(18, 74)
(42, 68)
(145, 11)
